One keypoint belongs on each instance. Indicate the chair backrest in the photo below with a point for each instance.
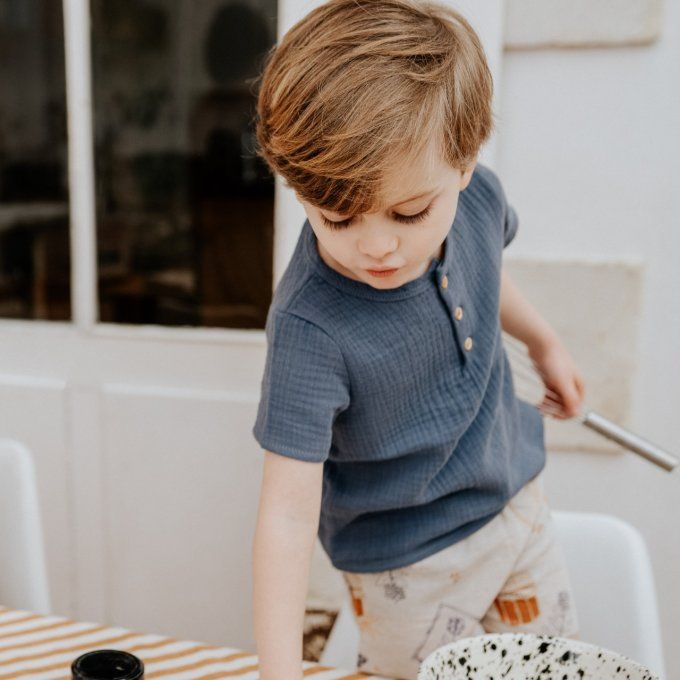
(23, 575)
(613, 585)
(613, 589)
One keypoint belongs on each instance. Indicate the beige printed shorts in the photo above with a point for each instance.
(509, 576)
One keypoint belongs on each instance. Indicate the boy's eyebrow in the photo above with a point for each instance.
(413, 198)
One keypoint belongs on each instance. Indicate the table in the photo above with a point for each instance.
(37, 647)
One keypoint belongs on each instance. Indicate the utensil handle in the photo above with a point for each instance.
(630, 441)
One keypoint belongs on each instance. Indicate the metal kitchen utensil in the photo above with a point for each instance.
(524, 367)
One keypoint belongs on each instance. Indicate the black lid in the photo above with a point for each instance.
(107, 664)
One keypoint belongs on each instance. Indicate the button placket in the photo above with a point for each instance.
(463, 324)
(456, 316)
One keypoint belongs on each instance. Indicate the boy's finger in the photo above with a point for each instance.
(570, 399)
(580, 384)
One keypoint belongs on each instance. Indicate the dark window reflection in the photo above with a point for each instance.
(34, 209)
(184, 206)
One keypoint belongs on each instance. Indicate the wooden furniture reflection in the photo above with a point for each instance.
(234, 260)
(47, 225)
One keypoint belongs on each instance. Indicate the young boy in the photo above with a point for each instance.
(388, 414)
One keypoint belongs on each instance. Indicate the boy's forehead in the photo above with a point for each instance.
(403, 194)
(410, 178)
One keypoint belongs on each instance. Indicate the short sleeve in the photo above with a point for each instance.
(510, 223)
(508, 215)
(303, 389)
(510, 220)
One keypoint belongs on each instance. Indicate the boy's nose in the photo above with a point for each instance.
(378, 247)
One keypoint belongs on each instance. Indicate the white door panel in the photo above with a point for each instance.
(35, 412)
(180, 485)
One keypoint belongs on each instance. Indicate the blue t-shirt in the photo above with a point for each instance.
(421, 435)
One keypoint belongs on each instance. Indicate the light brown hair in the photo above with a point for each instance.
(357, 85)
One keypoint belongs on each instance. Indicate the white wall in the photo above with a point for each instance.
(589, 154)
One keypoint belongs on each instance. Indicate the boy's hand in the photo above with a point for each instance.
(563, 382)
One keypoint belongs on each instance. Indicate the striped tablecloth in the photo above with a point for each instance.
(36, 647)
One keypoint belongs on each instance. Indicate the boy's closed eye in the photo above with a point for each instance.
(409, 203)
(404, 219)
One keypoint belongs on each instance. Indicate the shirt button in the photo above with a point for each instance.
(445, 281)
(468, 344)
(458, 313)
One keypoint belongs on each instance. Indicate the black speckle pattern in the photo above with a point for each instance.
(524, 656)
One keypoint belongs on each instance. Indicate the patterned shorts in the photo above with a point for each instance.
(509, 576)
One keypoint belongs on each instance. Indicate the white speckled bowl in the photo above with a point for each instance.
(524, 656)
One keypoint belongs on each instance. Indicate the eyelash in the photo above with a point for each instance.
(404, 219)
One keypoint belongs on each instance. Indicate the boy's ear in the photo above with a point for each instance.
(467, 176)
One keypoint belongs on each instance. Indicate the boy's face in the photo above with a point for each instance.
(380, 240)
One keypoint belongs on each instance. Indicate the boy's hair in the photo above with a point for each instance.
(357, 86)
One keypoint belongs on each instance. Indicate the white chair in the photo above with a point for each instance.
(23, 575)
(612, 584)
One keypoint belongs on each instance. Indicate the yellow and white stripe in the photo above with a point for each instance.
(36, 647)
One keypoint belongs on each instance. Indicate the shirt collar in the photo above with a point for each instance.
(438, 267)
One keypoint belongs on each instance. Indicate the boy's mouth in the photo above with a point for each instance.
(382, 272)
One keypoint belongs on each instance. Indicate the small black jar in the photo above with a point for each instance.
(107, 664)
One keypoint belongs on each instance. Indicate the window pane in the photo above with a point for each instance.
(184, 206)
(34, 209)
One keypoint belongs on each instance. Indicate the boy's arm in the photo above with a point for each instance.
(287, 524)
(563, 381)
(521, 320)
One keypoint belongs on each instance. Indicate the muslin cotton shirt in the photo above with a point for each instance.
(405, 395)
